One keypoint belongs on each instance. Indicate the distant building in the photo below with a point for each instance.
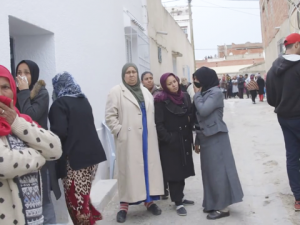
(278, 19)
(182, 17)
(233, 59)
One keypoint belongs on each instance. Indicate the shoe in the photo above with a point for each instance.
(181, 211)
(188, 202)
(164, 197)
(217, 215)
(208, 211)
(121, 216)
(297, 206)
(156, 211)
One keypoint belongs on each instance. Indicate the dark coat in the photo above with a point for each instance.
(261, 86)
(72, 120)
(283, 87)
(175, 137)
(241, 83)
(35, 103)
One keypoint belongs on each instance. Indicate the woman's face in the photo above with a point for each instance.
(131, 76)
(5, 88)
(148, 81)
(23, 70)
(172, 84)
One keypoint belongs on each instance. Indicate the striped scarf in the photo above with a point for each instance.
(252, 86)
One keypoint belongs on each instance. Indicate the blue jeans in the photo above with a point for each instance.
(291, 133)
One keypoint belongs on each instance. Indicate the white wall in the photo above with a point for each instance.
(176, 40)
(87, 40)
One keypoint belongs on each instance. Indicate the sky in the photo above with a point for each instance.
(219, 22)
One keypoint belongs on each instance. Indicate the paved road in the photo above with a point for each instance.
(259, 152)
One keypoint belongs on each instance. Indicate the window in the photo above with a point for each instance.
(128, 51)
(159, 55)
(280, 47)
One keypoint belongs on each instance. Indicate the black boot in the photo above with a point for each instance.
(217, 215)
(121, 216)
(156, 211)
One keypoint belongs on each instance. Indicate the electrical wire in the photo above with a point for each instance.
(229, 8)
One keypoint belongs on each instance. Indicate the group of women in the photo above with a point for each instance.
(154, 145)
(71, 148)
(154, 142)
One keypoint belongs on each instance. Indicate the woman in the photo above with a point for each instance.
(130, 117)
(223, 86)
(261, 87)
(71, 118)
(229, 86)
(33, 100)
(24, 149)
(253, 88)
(235, 89)
(221, 183)
(173, 118)
(148, 82)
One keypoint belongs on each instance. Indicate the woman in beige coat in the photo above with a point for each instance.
(130, 116)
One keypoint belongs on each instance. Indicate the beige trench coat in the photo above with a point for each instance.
(124, 117)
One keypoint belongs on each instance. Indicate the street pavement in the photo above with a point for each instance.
(258, 147)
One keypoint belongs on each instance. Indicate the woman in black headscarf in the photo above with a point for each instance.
(221, 183)
(33, 100)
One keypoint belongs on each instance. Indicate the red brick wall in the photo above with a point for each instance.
(201, 63)
(273, 14)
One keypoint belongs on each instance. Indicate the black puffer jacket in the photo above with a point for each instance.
(283, 86)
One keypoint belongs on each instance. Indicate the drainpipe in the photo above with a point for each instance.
(192, 33)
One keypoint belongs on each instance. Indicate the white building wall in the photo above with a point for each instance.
(175, 41)
(87, 39)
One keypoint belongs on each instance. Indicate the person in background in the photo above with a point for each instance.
(283, 93)
(229, 86)
(174, 121)
(220, 179)
(184, 84)
(24, 148)
(71, 118)
(253, 88)
(246, 82)
(223, 86)
(148, 82)
(130, 116)
(261, 88)
(33, 100)
(235, 89)
(190, 91)
(241, 86)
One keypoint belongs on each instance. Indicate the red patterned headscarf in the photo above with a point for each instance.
(5, 128)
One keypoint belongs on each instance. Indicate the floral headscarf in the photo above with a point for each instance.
(64, 84)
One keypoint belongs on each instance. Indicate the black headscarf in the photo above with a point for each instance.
(34, 71)
(207, 77)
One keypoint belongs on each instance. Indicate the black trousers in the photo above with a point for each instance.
(176, 191)
(241, 92)
(253, 95)
(291, 133)
(247, 92)
(166, 187)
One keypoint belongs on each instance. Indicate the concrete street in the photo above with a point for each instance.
(258, 147)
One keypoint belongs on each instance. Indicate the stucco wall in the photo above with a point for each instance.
(176, 40)
(87, 40)
(271, 51)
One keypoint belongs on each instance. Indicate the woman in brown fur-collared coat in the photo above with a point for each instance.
(33, 100)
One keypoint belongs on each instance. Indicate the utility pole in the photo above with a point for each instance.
(192, 32)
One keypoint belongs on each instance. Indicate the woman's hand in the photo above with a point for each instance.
(22, 83)
(197, 149)
(8, 113)
(197, 89)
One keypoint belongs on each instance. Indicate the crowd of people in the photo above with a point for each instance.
(33, 158)
(252, 85)
(155, 151)
(153, 130)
